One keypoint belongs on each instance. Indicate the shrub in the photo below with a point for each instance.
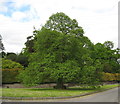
(10, 75)
(10, 71)
(9, 64)
(111, 77)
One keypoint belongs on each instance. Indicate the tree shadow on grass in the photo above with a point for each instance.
(40, 89)
(81, 88)
(52, 89)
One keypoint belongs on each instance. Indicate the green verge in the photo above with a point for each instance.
(50, 92)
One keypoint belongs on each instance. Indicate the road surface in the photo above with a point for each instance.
(106, 96)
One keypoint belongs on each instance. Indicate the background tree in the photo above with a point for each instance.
(1, 44)
(108, 44)
(30, 43)
(2, 53)
(19, 58)
(107, 56)
(22, 59)
(11, 56)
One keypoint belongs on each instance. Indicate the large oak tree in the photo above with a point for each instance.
(61, 53)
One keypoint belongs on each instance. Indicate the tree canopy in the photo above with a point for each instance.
(62, 23)
(108, 44)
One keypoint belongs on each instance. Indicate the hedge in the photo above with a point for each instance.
(10, 71)
(10, 75)
(111, 77)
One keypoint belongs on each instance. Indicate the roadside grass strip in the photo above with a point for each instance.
(50, 92)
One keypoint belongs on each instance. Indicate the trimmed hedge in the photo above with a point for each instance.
(10, 75)
(111, 77)
(10, 71)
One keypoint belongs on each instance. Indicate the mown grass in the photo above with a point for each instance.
(49, 92)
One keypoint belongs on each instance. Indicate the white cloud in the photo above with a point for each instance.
(3, 8)
(18, 3)
(14, 33)
(17, 16)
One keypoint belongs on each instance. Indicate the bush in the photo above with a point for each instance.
(10, 71)
(9, 64)
(111, 77)
(10, 75)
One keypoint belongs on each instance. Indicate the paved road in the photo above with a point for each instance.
(106, 96)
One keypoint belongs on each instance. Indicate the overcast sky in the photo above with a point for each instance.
(98, 18)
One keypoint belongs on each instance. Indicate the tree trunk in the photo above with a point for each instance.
(60, 84)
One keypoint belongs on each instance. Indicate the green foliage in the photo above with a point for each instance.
(109, 44)
(55, 56)
(11, 56)
(62, 23)
(30, 43)
(3, 54)
(62, 58)
(111, 77)
(91, 73)
(99, 51)
(22, 59)
(10, 70)
(30, 77)
(8, 64)
(107, 57)
(10, 75)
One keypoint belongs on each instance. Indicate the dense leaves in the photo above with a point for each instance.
(8, 64)
(20, 58)
(10, 75)
(60, 57)
(111, 77)
(62, 23)
(11, 56)
(10, 71)
(108, 44)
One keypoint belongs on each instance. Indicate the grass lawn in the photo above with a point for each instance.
(48, 92)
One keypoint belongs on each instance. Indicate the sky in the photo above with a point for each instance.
(98, 18)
